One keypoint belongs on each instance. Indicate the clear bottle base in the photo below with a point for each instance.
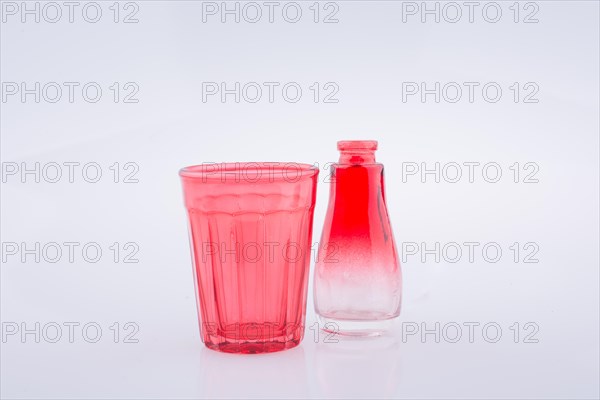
(356, 328)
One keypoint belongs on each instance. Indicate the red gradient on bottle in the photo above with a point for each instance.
(358, 272)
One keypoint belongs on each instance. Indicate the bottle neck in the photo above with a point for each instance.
(357, 152)
(357, 157)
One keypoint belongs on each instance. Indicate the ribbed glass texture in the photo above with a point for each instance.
(250, 233)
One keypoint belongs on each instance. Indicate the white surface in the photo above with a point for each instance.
(369, 53)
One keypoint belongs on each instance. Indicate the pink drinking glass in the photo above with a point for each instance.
(250, 234)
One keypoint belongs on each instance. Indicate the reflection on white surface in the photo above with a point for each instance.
(350, 368)
(272, 375)
(358, 367)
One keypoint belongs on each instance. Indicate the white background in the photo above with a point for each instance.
(368, 54)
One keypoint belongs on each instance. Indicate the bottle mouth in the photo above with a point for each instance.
(357, 145)
(357, 152)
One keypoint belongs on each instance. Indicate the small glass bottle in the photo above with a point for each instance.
(358, 281)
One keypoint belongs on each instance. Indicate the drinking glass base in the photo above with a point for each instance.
(252, 347)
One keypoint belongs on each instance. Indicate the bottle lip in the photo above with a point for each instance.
(360, 145)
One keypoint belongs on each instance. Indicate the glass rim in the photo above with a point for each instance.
(249, 171)
(357, 145)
